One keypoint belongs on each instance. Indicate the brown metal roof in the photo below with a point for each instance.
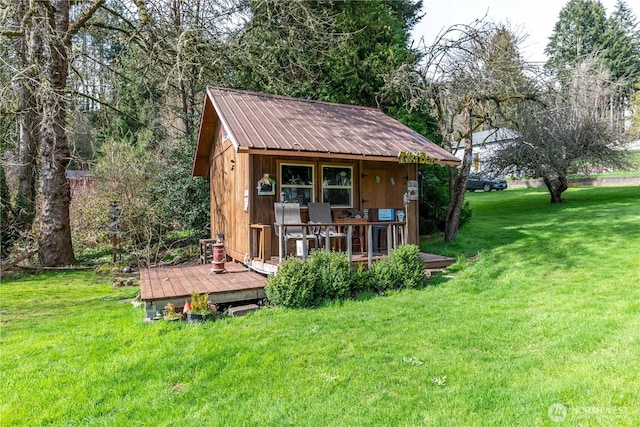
(256, 121)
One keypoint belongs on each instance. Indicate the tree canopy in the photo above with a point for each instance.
(349, 47)
(583, 30)
(125, 81)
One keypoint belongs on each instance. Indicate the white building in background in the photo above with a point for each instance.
(485, 143)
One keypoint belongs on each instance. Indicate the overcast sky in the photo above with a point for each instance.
(533, 17)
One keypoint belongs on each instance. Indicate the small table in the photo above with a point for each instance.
(206, 250)
(352, 221)
(261, 241)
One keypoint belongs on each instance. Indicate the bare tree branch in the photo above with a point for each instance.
(82, 20)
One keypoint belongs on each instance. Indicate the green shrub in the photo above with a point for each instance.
(403, 269)
(290, 287)
(325, 276)
(434, 200)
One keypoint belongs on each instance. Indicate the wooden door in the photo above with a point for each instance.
(383, 185)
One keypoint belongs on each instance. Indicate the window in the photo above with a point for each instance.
(296, 182)
(337, 185)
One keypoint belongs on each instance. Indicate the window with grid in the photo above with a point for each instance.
(296, 182)
(337, 185)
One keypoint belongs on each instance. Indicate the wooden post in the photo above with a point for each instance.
(349, 249)
(304, 242)
(280, 243)
(114, 243)
(327, 240)
(369, 244)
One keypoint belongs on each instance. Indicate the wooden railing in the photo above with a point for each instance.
(396, 234)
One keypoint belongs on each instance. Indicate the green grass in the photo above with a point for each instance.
(545, 311)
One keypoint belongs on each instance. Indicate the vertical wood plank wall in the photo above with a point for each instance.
(376, 185)
(229, 177)
(368, 193)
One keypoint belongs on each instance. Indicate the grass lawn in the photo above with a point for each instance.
(538, 323)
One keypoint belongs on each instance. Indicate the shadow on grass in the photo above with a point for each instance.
(589, 222)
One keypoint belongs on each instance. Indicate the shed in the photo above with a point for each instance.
(257, 148)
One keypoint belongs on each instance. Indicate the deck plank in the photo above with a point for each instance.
(146, 291)
(181, 286)
(166, 287)
(198, 279)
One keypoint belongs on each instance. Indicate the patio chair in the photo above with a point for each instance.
(289, 213)
(321, 213)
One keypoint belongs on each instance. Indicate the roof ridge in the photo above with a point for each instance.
(292, 98)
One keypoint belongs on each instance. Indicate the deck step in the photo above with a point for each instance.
(434, 262)
(241, 310)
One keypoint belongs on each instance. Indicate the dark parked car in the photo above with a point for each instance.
(478, 181)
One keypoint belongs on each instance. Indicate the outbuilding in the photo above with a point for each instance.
(259, 149)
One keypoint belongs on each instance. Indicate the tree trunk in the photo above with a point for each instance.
(30, 116)
(458, 184)
(55, 235)
(556, 187)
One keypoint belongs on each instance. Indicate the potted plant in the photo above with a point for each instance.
(170, 313)
(198, 310)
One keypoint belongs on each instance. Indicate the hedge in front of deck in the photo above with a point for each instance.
(328, 276)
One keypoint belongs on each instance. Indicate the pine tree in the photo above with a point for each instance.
(622, 53)
(579, 31)
(345, 55)
(583, 29)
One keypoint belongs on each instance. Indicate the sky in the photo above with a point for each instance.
(533, 17)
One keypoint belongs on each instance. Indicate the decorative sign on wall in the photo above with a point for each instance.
(415, 157)
(413, 189)
(266, 186)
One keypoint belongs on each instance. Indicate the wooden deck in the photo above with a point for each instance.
(159, 286)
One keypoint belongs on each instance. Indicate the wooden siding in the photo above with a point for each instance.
(384, 185)
(367, 192)
(229, 174)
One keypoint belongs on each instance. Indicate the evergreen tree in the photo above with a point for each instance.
(622, 53)
(366, 40)
(579, 31)
(584, 30)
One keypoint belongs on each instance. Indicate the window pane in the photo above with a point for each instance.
(336, 176)
(297, 195)
(297, 183)
(297, 175)
(337, 185)
(337, 197)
